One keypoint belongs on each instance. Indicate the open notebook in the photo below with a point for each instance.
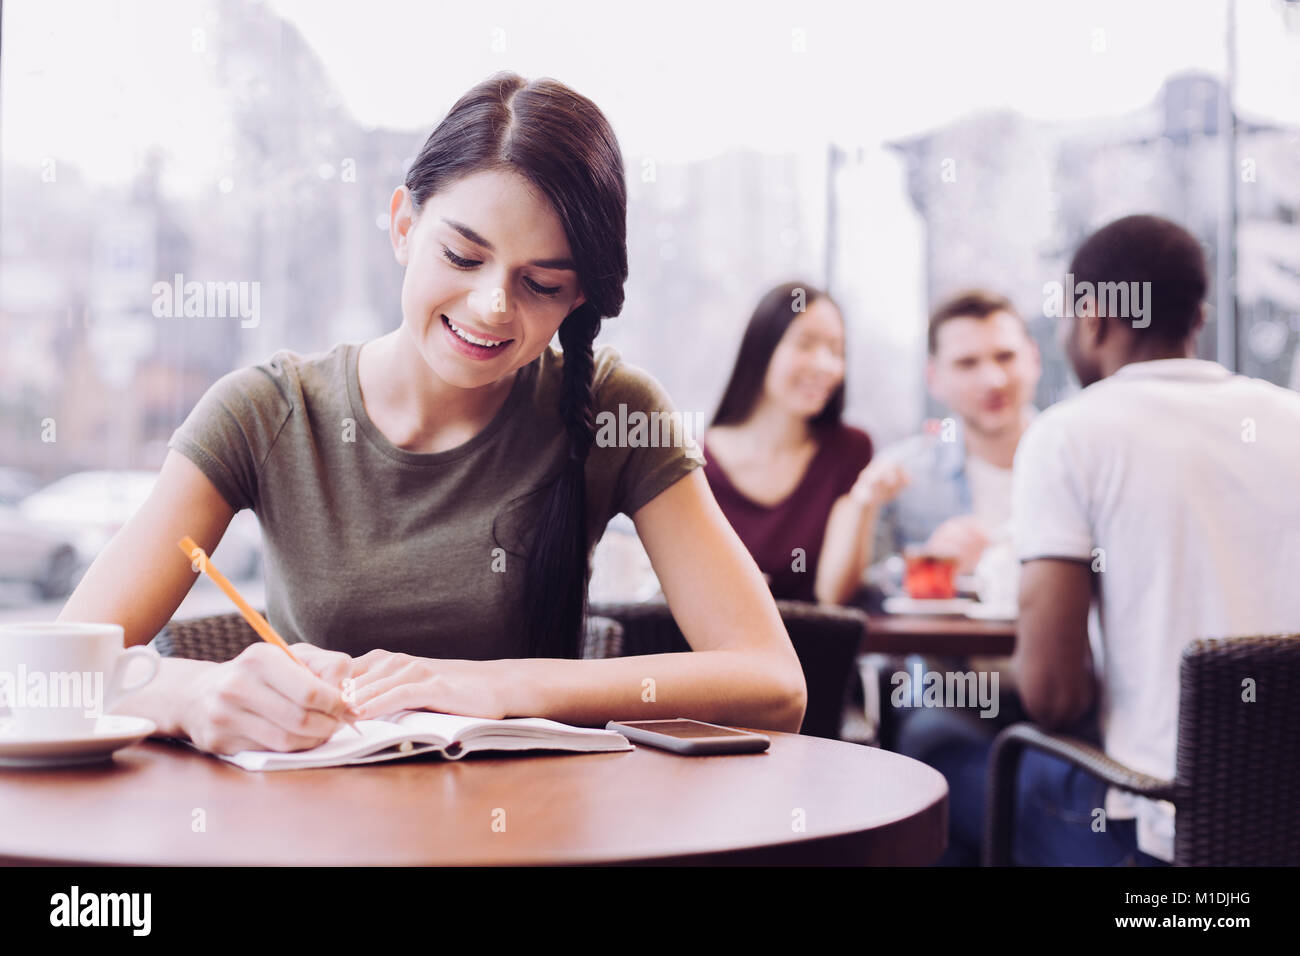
(410, 732)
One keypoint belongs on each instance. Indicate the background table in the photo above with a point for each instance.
(938, 635)
(941, 636)
(859, 805)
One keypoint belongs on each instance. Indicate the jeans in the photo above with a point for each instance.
(1056, 802)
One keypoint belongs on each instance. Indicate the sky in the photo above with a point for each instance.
(693, 77)
(93, 82)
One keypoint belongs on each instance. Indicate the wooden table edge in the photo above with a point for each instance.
(852, 847)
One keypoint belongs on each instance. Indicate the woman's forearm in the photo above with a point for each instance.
(846, 550)
(738, 688)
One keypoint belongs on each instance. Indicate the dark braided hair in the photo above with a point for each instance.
(555, 610)
(561, 143)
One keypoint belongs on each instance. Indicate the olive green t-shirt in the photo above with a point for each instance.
(368, 545)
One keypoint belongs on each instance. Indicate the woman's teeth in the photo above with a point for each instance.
(472, 339)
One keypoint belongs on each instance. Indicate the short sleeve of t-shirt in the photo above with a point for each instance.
(232, 428)
(1049, 503)
(652, 444)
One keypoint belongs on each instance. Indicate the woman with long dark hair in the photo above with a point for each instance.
(430, 498)
(791, 477)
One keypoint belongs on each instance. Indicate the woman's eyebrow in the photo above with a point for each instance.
(475, 238)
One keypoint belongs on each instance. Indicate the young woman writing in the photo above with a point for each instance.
(429, 499)
(790, 476)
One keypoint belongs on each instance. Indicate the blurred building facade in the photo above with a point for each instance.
(1005, 201)
(301, 210)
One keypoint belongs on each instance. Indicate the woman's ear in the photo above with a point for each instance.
(401, 219)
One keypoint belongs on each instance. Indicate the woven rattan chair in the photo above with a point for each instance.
(1237, 783)
(222, 637)
(825, 637)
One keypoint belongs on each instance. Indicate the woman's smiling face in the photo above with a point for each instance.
(489, 276)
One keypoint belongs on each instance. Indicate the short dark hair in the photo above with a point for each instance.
(768, 323)
(968, 304)
(1150, 249)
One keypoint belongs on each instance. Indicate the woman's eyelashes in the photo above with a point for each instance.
(460, 262)
(549, 291)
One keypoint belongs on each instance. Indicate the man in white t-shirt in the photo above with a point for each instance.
(1165, 494)
(1164, 497)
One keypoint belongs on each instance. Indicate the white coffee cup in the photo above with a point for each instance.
(57, 679)
(997, 578)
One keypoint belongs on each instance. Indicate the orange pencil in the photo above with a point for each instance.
(260, 624)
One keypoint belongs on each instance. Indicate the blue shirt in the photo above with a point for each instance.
(938, 488)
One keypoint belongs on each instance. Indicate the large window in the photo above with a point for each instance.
(894, 152)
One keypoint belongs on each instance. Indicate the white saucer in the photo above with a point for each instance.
(992, 612)
(906, 605)
(112, 732)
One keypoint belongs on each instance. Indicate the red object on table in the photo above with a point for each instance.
(930, 577)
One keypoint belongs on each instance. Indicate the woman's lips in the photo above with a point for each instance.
(469, 349)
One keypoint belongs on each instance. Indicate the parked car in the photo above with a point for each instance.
(90, 506)
(36, 554)
(15, 485)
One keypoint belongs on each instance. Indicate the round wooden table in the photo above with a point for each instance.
(807, 800)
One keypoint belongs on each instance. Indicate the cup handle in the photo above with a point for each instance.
(116, 689)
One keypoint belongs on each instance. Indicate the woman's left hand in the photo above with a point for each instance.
(383, 682)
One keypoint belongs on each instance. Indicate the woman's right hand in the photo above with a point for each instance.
(262, 700)
(879, 483)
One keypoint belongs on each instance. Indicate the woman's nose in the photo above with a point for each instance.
(829, 362)
(489, 302)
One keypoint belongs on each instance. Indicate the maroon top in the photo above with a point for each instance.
(773, 532)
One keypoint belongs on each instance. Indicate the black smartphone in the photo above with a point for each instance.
(683, 736)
